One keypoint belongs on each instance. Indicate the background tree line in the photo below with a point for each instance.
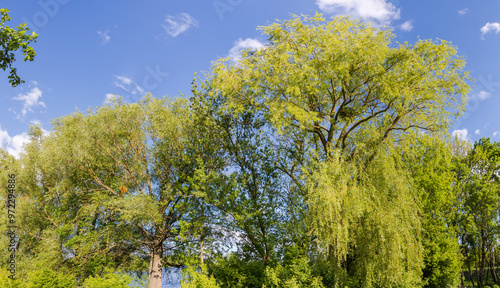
(321, 160)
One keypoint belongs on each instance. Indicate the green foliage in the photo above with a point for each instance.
(253, 191)
(367, 221)
(45, 278)
(197, 278)
(318, 158)
(107, 184)
(334, 99)
(238, 272)
(296, 273)
(344, 82)
(11, 40)
(478, 186)
(429, 160)
(7, 282)
(109, 279)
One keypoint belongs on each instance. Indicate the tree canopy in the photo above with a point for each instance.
(320, 160)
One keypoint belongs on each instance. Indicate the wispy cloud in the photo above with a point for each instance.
(477, 132)
(407, 26)
(378, 11)
(490, 27)
(240, 44)
(461, 134)
(496, 134)
(176, 25)
(104, 36)
(30, 100)
(463, 11)
(128, 85)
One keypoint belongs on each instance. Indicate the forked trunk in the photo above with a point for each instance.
(155, 267)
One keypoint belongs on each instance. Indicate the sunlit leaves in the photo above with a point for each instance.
(11, 40)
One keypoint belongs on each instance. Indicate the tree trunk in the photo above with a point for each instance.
(155, 266)
(493, 269)
(470, 273)
(482, 259)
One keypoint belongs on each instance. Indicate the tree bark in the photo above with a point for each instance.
(155, 266)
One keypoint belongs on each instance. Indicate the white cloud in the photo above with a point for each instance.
(477, 132)
(124, 80)
(407, 26)
(380, 11)
(176, 25)
(496, 134)
(30, 100)
(240, 44)
(490, 27)
(128, 85)
(460, 134)
(13, 145)
(104, 36)
(463, 11)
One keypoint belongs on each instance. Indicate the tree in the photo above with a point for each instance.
(114, 185)
(338, 96)
(479, 194)
(252, 194)
(11, 40)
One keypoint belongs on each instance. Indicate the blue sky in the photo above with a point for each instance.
(90, 50)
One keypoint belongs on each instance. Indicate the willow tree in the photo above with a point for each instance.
(340, 95)
(115, 185)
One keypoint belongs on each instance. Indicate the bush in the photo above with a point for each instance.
(108, 280)
(46, 278)
(238, 272)
(296, 273)
(6, 282)
(197, 278)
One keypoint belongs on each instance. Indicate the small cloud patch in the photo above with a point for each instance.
(407, 26)
(104, 36)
